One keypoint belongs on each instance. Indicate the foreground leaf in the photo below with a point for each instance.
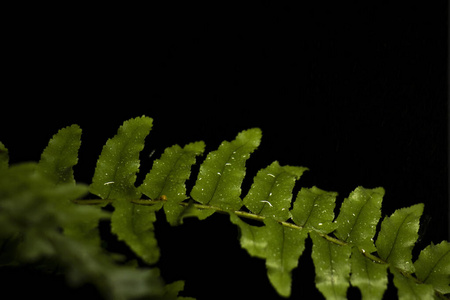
(87, 264)
(32, 206)
(271, 192)
(118, 163)
(314, 209)
(61, 155)
(359, 216)
(370, 277)
(433, 266)
(168, 177)
(408, 288)
(221, 174)
(332, 267)
(398, 235)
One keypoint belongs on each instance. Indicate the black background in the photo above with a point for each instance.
(356, 93)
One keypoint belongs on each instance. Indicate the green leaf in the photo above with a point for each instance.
(4, 157)
(332, 267)
(134, 224)
(61, 155)
(409, 289)
(314, 209)
(359, 216)
(118, 163)
(221, 174)
(398, 235)
(252, 238)
(370, 277)
(271, 192)
(284, 248)
(168, 177)
(433, 266)
(279, 245)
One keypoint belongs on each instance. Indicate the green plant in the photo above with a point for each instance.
(46, 219)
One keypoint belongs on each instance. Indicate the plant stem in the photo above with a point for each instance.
(243, 214)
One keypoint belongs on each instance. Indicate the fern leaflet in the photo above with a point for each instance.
(271, 192)
(433, 266)
(359, 217)
(168, 175)
(222, 173)
(61, 155)
(398, 235)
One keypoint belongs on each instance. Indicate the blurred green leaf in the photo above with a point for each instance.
(4, 157)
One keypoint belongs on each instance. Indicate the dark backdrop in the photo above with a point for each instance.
(358, 94)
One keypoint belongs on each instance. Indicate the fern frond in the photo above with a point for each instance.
(343, 250)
